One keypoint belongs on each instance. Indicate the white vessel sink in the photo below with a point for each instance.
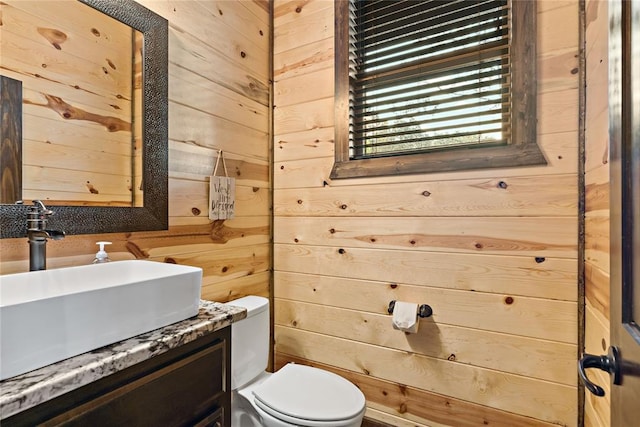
(48, 316)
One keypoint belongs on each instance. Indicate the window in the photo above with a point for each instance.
(433, 85)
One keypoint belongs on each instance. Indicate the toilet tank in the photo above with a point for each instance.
(249, 341)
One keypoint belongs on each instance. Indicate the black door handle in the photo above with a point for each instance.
(609, 363)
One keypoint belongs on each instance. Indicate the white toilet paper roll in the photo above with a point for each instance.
(405, 317)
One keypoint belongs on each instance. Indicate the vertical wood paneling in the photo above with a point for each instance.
(459, 241)
(218, 99)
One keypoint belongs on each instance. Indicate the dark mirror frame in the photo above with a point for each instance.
(154, 215)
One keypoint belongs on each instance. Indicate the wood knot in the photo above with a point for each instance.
(91, 188)
(426, 193)
(332, 230)
(296, 240)
(508, 300)
(343, 207)
(282, 167)
(341, 251)
(413, 242)
(393, 285)
(298, 9)
(195, 211)
(169, 260)
(540, 259)
(220, 12)
(225, 269)
(366, 371)
(478, 245)
(261, 33)
(502, 185)
(574, 71)
(299, 201)
(95, 32)
(243, 54)
(452, 357)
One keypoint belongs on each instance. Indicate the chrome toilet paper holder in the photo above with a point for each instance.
(424, 310)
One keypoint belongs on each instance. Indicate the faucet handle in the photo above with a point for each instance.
(41, 208)
(37, 216)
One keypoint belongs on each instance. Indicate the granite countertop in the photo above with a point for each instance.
(32, 388)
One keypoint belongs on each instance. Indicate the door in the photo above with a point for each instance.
(625, 214)
(623, 359)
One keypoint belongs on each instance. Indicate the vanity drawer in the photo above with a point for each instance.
(185, 389)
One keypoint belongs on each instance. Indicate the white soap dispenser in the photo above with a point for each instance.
(101, 255)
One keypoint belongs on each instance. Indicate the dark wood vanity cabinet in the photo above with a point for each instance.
(186, 386)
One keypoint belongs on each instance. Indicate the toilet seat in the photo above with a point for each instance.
(307, 396)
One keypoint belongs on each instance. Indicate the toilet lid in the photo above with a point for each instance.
(306, 393)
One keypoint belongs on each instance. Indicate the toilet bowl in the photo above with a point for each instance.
(295, 395)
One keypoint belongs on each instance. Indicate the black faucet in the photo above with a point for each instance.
(38, 235)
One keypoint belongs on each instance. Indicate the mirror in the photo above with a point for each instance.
(143, 205)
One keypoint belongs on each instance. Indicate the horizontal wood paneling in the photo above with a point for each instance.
(437, 338)
(306, 158)
(556, 237)
(412, 406)
(194, 127)
(532, 317)
(478, 197)
(553, 278)
(493, 251)
(514, 393)
(313, 56)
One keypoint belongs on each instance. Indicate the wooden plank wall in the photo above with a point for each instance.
(494, 252)
(597, 409)
(218, 99)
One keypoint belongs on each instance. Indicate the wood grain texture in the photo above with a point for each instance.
(304, 160)
(300, 60)
(523, 316)
(10, 140)
(413, 405)
(555, 237)
(344, 248)
(76, 75)
(517, 196)
(526, 396)
(444, 336)
(554, 278)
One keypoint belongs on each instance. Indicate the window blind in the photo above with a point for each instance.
(427, 75)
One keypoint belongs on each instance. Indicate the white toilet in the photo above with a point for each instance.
(296, 395)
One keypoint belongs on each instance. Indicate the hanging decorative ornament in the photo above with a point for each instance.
(222, 193)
